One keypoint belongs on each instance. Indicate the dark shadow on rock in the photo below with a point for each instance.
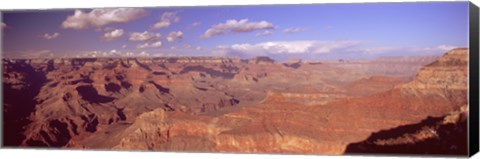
(161, 89)
(110, 66)
(125, 84)
(112, 87)
(144, 66)
(50, 66)
(262, 59)
(80, 62)
(61, 133)
(121, 114)
(90, 94)
(19, 104)
(451, 139)
(83, 80)
(90, 122)
(159, 73)
(293, 65)
(210, 71)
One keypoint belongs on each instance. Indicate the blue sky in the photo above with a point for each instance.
(321, 31)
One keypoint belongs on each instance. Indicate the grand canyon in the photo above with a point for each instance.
(399, 105)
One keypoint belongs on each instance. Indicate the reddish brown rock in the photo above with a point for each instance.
(212, 104)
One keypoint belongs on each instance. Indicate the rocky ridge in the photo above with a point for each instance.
(226, 104)
(280, 126)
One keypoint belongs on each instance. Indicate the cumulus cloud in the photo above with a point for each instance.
(113, 34)
(143, 53)
(161, 24)
(124, 46)
(172, 36)
(144, 36)
(293, 30)
(234, 26)
(50, 36)
(110, 53)
(286, 47)
(28, 54)
(101, 17)
(157, 44)
(264, 33)
(166, 20)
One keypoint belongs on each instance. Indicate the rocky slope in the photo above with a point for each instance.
(226, 104)
(21, 84)
(444, 135)
(279, 126)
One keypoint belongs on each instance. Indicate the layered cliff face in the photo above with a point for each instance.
(448, 73)
(83, 96)
(434, 135)
(278, 125)
(229, 105)
(274, 126)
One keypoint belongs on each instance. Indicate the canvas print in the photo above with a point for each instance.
(359, 78)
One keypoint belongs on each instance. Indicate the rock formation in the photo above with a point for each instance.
(210, 104)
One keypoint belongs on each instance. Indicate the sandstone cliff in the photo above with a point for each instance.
(225, 104)
(280, 126)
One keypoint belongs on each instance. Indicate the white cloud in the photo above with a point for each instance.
(161, 24)
(198, 48)
(172, 36)
(195, 24)
(129, 54)
(435, 49)
(144, 36)
(166, 20)
(157, 44)
(234, 26)
(293, 30)
(142, 46)
(29, 54)
(124, 46)
(50, 36)
(286, 47)
(4, 25)
(264, 33)
(101, 17)
(110, 53)
(143, 53)
(446, 47)
(113, 34)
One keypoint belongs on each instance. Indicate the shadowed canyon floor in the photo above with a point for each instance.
(222, 104)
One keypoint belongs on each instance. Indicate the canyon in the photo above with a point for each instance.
(228, 104)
